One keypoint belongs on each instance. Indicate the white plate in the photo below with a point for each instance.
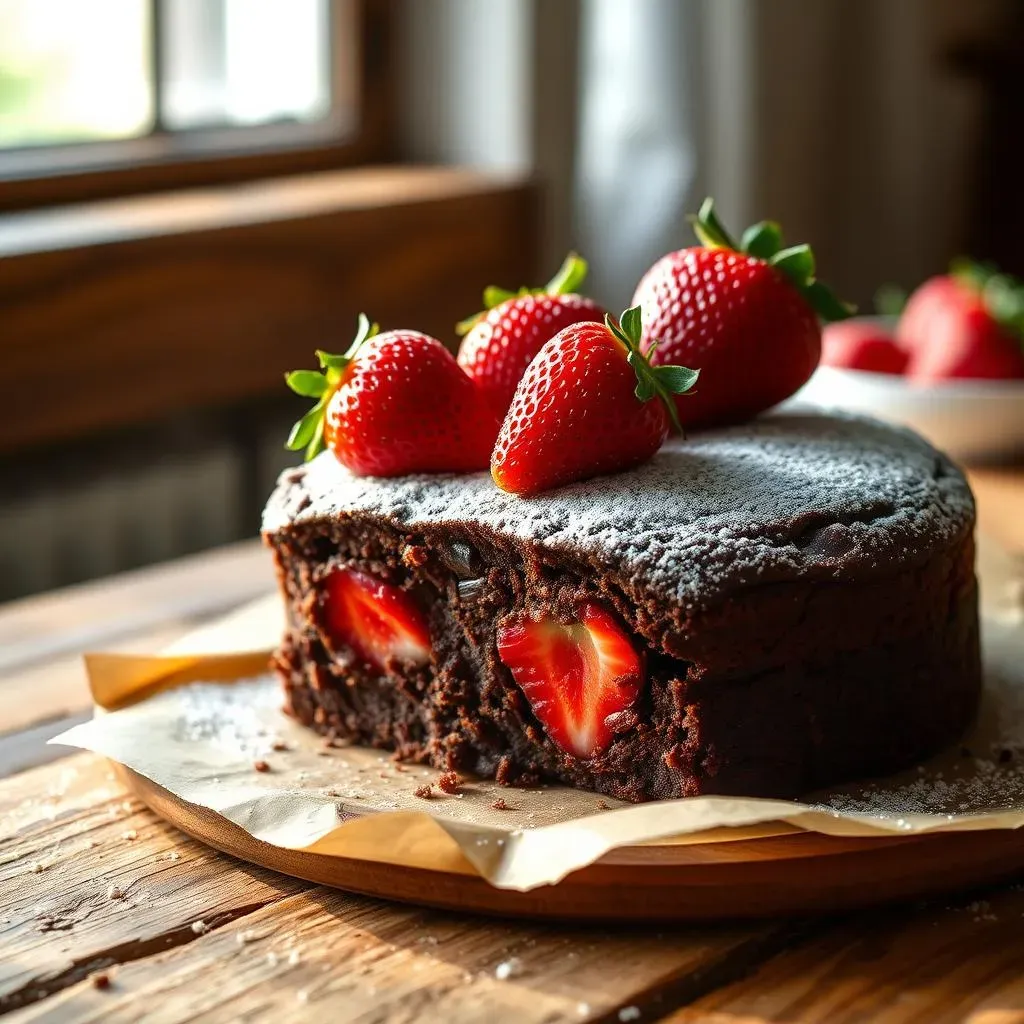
(973, 420)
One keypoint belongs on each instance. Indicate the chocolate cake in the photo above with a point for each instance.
(799, 593)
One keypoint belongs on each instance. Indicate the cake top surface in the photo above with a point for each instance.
(793, 494)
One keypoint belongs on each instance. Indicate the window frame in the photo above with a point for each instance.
(81, 172)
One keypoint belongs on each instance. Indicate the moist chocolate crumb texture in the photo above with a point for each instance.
(759, 610)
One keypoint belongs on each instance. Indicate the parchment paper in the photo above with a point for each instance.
(202, 717)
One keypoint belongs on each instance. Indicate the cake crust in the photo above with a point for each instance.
(802, 588)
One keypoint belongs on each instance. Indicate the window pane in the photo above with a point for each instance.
(74, 70)
(246, 62)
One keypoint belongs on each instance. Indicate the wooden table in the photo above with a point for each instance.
(107, 914)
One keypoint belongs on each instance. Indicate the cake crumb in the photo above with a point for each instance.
(100, 980)
(628, 1013)
(293, 957)
(200, 927)
(449, 783)
(114, 893)
(414, 555)
(510, 968)
(501, 805)
(129, 835)
(424, 792)
(260, 766)
(602, 805)
(279, 746)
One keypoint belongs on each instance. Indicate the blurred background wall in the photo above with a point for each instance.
(855, 123)
(222, 244)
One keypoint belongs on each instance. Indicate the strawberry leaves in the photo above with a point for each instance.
(764, 241)
(308, 432)
(568, 280)
(661, 382)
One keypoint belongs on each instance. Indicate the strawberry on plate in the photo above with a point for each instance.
(861, 345)
(966, 324)
(578, 677)
(394, 403)
(501, 342)
(380, 622)
(589, 403)
(745, 312)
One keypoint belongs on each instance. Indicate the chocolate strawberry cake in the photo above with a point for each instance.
(762, 610)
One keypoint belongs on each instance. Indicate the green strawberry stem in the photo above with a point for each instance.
(660, 382)
(321, 384)
(764, 241)
(890, 300)
(569, 279)
(1002, 294)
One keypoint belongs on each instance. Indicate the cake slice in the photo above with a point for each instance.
(759, 610)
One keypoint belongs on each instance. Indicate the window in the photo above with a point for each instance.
(193, 198)
(211, 88)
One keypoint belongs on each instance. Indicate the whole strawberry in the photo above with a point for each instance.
(394, 403)
(500, 343)
(746, 313)
(590, 403)
(965, 324)
(861, 345)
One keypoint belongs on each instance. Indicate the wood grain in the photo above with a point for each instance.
(149, 321)
(952, 962)
(68, 834)
(329, 957)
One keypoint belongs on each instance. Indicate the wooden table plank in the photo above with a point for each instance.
(94, 615)
(58, 687)
(42, 638)
(334, 957)
(1000, 497)
(69, 834)
(954, 962)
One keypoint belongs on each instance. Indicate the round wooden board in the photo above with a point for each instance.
(778, 876)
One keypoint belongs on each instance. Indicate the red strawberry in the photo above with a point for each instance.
(380, 622)
(500, 343)
(394, 403)
(924, 308)
(585, 407)
(861, 345)
(576, 676)
(746, 314)
(968, 324)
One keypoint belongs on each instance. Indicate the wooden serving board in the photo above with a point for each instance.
(782, 875)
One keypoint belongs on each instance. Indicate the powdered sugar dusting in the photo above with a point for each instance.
(794, 494)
